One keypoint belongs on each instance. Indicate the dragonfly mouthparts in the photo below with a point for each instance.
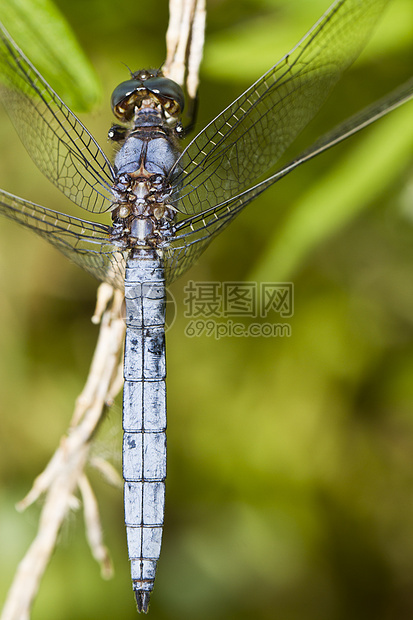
(142, 600)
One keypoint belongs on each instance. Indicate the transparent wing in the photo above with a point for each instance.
(85, 243)
(56, 140)
(249, 136)
(193, 234)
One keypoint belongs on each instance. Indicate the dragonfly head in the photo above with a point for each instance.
(145, 85)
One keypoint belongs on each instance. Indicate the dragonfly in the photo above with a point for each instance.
(166, 204)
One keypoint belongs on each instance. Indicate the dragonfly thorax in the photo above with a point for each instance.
(143, 165)
(141, 230)
(141, 214)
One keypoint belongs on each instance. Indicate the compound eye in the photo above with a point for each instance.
(168, 92)
(123, 98)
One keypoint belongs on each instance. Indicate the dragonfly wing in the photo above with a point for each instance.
(248, 137)
(86, 243)
(56, 140)
(193, 234)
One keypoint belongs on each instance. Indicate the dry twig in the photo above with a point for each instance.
(185, 43)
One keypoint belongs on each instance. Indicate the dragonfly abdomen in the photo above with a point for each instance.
(144, 418)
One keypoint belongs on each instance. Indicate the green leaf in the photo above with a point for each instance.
(45, 37)
(247, 49)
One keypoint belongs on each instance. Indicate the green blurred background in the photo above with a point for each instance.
(290, 463)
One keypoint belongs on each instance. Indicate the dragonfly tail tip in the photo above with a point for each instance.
(142, 600)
